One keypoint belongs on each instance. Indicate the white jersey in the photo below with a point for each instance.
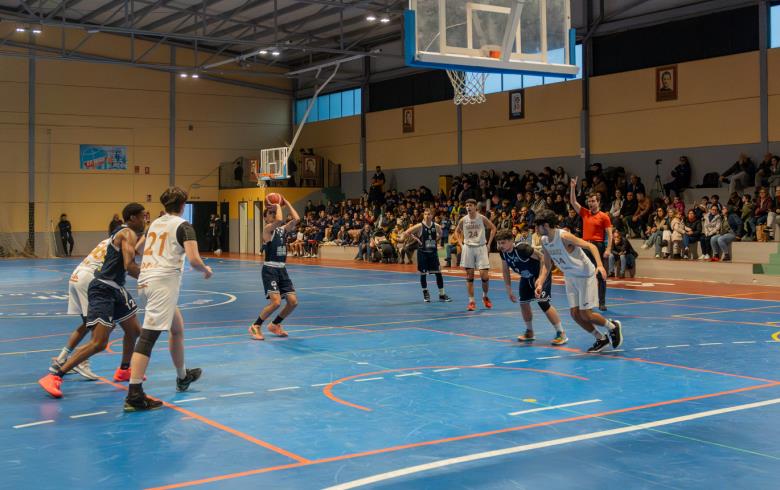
(474, 231)
(94, 260)
(163, 254)
(575, 264)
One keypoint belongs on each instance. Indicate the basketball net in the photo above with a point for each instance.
(469, 87)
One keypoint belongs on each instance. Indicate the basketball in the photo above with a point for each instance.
(273, 198)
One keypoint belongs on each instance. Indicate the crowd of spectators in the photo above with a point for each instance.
(511, 200)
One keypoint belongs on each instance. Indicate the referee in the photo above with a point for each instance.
(596, 229)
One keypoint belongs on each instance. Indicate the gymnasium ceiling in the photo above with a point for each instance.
(305, 33)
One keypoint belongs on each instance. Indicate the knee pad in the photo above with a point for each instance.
(544, 305)
(146, 342)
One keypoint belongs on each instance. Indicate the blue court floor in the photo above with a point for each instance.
(376, 389)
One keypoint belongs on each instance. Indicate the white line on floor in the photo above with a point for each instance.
(87, 414)
(645, 348)
(186, 400)
(679, 345)
(33, 423)
(617, 350)
(445, 369)
(553, 407)
(516, 360)
(285, 388)
(744, 342)
(320, 384)
(237, 394)
(549, 357)
(553, 442)
(367, 379)
(712, 343)
(483, 365)
(407, 374)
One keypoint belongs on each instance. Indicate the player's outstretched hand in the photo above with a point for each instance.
(512, 296)
(284, 201)
(573, 183)
(207, 273)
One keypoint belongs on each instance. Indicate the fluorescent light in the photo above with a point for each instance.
(384, 20)
(371, 17)
(93, 30)
(183, 75)
(275, 53)
(21, 29)
(36, 31)
(263, 51)
(195, 75)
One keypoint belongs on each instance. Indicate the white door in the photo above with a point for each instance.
(258, 227)
(243, 227)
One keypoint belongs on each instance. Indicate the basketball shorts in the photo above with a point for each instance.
(161, 295)
(527, 293)
(427, 262)
(582, 292)
(108, 304)
(475, 257)
(78, 288)
(276, 281)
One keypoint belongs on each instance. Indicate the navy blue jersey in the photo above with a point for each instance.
(428, 238)
(113, 267)
(275, 249)
(527, 268)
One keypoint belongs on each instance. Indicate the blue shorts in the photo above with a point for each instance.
(108, 305)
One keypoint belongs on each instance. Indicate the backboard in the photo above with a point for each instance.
(498, 36)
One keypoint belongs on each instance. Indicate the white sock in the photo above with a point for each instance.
(529, 325)
(609, 324)
(64, 353)
(471, 298)
(441, 292)
(136, 381)
(597, 334)
(558, 327)
(181, 373)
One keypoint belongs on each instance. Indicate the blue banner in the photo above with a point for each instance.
(94, 157)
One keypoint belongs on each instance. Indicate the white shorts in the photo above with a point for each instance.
(475, 257)
(582, 292)
(161, 295)
(78, 286)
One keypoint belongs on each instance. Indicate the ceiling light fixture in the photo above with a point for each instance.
(385, 19)
(21, 29)
(183, 75)
(195, 75)
(263, 51)
(36, 30)
(275, 52)
(371, 17)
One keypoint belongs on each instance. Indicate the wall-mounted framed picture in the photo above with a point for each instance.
(407, 120)
(666, 83)
(517, 104)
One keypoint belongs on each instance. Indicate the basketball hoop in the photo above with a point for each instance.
(469, 86)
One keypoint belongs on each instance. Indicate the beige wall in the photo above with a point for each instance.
(87, 103)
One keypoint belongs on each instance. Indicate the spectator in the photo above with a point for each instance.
(66, 234)
(677, 230)
(681, 177)
(238, 172)
(623, 255)
(615, 209)
(635, 185)
(215, 234)
(772, 222)
(655, 230)
(740, 175)
(561, 177)
(116, 222)
(710, 227)
(378, 179)
(572, 223)
(703, 207)
(637, 222)
(763, 171)
(773, 181)
(760, 214)
(747, 218)
(692, 234)
(364, 243)
(721, 242)
(679, 206)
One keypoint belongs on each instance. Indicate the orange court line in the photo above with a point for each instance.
(221, 427)
(328, 390)
(459, 438)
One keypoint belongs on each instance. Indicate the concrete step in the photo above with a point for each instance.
(747, 252)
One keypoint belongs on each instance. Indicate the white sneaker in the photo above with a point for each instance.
(645, 246)
(657, 256)
(704, 257)
(85, 370)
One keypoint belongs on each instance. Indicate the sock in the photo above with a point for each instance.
(558, 327)
(597, 334)
(181, 373)
(134, 388)
(424, 281)
(278, 320)
(440, 281)
(529, 325)
(471, 298)
(441, 292)
(64, 353)
(60, 373)
(124, 365)
(258, 322)
(609, 324)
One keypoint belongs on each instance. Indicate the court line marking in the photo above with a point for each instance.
(550, 357)
(367, 379)
(712, 343)
(187, 400)
(320, 384)
(458, 438)
(445, 369)
(242, 393)
(554, 407)
(516, 360)
(404, 375)
(32, 424)
(744, 342)
(285, 388)
(87, 414)
(545, 444)
(678, 345)
(645, 348)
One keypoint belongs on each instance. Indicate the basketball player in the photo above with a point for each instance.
(109, 302)
(471, 236)
(568, 253)
(427, 234)
(276, 282)
(168, 240)
(524, 260)
(596, 229)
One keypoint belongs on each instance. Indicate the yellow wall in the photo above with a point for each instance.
(295, 195)
(337, 140)
(86, 103)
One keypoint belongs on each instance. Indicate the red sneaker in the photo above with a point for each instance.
(715, 259)
(472, 306)
(51, 383)
(487, 302)
(121, 375)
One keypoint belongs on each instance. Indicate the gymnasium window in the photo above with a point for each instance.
(774, 26)
(330, 106)
(502, 82)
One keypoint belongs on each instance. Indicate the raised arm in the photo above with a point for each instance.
(573, 195)
(295, 217)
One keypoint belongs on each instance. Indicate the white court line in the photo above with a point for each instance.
(679, 345)
(367, 379)
(407, 374)
(544, 444)
(190, 400)
(550, 357)
(445, 369)
(237, 394)
(712, 343)
(87, 414)
(516, 360)
(645, 348)
(553, 407)
(483, 365)
(285, 388)
(744, 342)
(320, 384)
(33, 423)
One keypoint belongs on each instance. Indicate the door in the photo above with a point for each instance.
(258, 227)
(243, 227)
(224, 212)
(200, 219)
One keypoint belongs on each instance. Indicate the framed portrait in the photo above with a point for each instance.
(407, 120)
(666, 83)
(516, 104)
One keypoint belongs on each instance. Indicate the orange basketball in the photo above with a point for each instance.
(273, 198)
